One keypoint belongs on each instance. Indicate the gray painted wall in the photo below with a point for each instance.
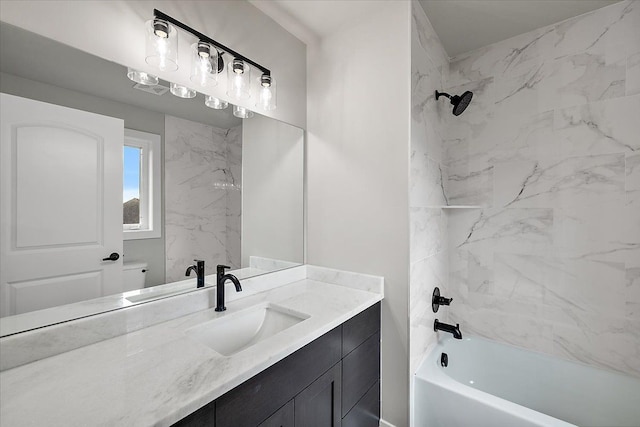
(358, 172)
(272, 190)
(149, 250)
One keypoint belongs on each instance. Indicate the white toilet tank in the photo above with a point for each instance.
(133, 275)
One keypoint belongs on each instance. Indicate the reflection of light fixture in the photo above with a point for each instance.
(162, 45)
(142, 77)
(181, 91)
(215, 103)
(266, 93)
(204, 64)
(242, 112)
(238, 79)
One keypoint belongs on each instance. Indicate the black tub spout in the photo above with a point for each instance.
(454, 330)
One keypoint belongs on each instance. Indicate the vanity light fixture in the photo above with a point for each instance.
(204, 64)
(215, 103)
(266, 93)
(238, 79)
(207, 60)
(162, 45)
(241, 112)
(182, 91)
(142, 77)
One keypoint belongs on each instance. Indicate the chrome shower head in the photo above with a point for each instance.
(460, 103)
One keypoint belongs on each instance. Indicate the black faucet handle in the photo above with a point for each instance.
(437, 300)
(221, 268)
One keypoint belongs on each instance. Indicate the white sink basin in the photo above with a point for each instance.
(237, 331)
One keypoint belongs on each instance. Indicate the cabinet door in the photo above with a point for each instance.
(366, 413)
(319, 404)
(282, 418)
(361, 371)
(256, 399)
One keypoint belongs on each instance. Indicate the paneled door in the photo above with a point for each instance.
(61, 213)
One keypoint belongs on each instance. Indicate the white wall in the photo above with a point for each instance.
(114, 30)
(358, 167)
(272, 190)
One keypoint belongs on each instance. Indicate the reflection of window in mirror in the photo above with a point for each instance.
(133, 166)
(141, 185)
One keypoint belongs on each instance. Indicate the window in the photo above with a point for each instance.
(141, 210)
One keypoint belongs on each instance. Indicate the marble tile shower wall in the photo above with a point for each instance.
(550, 150)
(203, 166)
(428, 251)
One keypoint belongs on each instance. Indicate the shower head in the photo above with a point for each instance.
(460, 103)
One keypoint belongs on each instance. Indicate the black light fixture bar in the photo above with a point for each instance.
(159, 15)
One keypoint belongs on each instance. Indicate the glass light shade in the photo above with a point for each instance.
(162, 45)
(238, 79)
(142, 77)
(204, 64)
(182, 91)
(266, 93)
(241, 112)
(215, 103)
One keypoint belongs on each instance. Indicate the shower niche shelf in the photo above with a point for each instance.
(459, 207)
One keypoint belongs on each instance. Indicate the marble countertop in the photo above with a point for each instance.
(63, 313)
(158, 375)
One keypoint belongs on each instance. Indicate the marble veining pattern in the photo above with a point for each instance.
(599, 127)
(27, 347)
(202, 195)
(549, 148)
(633, 74)
(158, 375)
(429, 181)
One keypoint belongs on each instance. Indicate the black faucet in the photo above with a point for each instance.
(199, 269)
(455, 330)
(221, 279)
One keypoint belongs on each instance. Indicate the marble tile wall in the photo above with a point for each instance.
(234, 195)
(550, 150)
(428, 240)
(202, 195)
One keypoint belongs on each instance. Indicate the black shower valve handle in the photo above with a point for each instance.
(437, 300)
(444, 301)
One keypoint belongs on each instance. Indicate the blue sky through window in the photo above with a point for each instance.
(131, 178)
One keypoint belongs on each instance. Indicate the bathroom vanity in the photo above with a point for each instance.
(333, 380)
(316, 357)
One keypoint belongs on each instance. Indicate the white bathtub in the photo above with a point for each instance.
(488, 384)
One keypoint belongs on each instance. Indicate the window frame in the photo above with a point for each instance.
(150, 185)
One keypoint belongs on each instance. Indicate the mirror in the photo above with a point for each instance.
(198, 183)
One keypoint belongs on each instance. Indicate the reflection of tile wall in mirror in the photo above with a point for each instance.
(202, 213)
(78, 80)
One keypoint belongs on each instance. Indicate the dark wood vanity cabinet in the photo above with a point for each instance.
(332, 381)
(319, 404)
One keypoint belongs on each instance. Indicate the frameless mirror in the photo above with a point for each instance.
(111, 189)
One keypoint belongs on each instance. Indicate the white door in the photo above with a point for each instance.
(61, 213)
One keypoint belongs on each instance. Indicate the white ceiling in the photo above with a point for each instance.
(316, 19)
(465, 25)
(462, 25)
